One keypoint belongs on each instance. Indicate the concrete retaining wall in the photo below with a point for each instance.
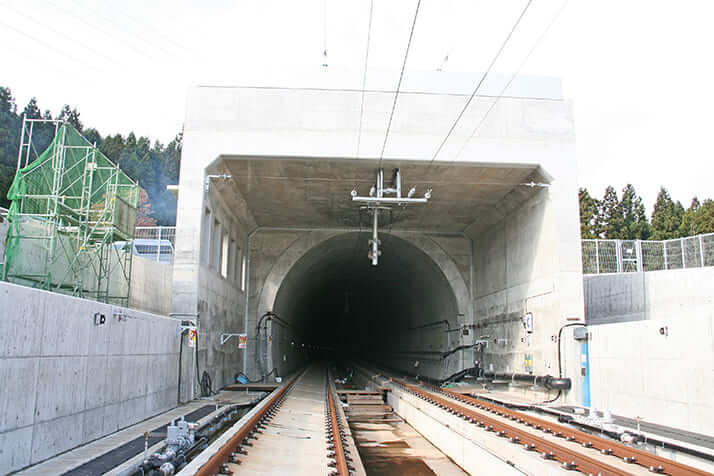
(653, 356)
(652, 295)
(664, 378)
(66, 381)
(151, 284)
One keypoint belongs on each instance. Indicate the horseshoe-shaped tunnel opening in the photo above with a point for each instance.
(334, 304)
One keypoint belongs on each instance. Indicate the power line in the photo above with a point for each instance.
(515, 74)
(57, 32)
(324, 32)
(364, 76)
(481, 81)
(118, 27)
(82, 20)
(399, 84)
(157, 32)
(47, 45)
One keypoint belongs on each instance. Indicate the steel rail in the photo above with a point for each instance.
(654, 463)
(335, 435)
(569, 459)
(234, 446)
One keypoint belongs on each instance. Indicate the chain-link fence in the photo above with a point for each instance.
(626, 256)
(155, 242)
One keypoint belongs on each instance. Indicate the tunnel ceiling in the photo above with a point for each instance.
(467, 197)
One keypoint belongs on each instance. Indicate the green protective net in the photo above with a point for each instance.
(70, 209)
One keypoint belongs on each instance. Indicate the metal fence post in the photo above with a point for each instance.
(664, 253)
(618, 255)
(701, 250)
(597, 256)
(681, 245)
(158, 248)
(638, 251)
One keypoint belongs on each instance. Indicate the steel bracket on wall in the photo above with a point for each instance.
(226, 337)
(380, 197)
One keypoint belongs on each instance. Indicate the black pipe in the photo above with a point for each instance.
(275, 318)
(547, 381)
(560, 364)
(432, 324)
(456, 349)
(460, 374)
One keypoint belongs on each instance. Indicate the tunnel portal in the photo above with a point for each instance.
(334, 303)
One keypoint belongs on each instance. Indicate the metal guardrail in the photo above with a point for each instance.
(627, 256)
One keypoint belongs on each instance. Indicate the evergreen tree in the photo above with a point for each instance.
(153, 167)
(705, 217)
(589, 215)
(32, 111)
(611, 214)
(634, 219)
(71, 116)
(666, 217)
(9, 142)
(698, 219)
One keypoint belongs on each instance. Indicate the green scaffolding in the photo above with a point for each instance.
(72, 214)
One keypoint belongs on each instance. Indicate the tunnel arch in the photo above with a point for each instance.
(328, 295)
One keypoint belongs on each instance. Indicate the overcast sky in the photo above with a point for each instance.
(639, 72)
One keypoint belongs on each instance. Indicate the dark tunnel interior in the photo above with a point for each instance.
(341, 307)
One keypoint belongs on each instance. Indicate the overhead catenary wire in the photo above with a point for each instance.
(47, 45)
(60, 33)
(399, 84)
(324, 33)
(364, 76)
(513, 77)
(157, 32)
(481, 81)
(119, 28)
(96, 28)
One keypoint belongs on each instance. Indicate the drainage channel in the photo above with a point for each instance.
(387, 444)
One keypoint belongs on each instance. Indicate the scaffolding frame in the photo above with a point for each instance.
(70, 204)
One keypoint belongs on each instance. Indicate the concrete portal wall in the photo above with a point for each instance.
(65, 381)
(325, 120)
(652, 295)
(151, 284)
(528, 263)
(664, 378)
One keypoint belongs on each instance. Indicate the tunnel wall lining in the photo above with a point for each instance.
(274, 253)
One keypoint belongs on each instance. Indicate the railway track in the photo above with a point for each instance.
(655, 464)
(519, 428)
(299, 430)
(302, 429)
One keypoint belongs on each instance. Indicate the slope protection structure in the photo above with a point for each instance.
(73, 212)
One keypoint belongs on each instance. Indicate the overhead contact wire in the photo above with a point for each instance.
(513, 77)
(399, 84)
(364, 76)
(481, 81)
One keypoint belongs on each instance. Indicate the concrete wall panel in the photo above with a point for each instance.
(70, 381)
(666, 379)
